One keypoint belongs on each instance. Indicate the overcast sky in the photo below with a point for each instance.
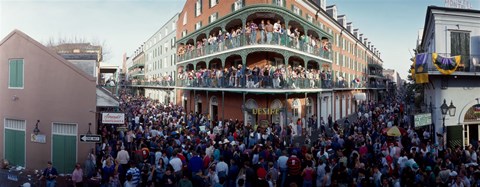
(391, 25)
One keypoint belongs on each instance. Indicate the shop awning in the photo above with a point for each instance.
(360, 96)
(105, 99)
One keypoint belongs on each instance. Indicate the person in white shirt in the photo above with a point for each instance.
(221, 169)
(176, 163)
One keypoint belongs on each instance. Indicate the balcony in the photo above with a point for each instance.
(321, 50)
(376, 74)
(137, 73)
(469, 64)
(255, 82)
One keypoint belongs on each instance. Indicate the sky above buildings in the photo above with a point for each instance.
(123, 25)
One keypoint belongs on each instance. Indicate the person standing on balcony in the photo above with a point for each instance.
(233, 38)
(276, 32)
(248, 33)
(261, 28)
(254, 28)
(269, 30)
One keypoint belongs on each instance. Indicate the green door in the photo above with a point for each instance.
(15, 147)
(64, 153)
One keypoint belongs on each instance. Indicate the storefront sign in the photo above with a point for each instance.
(39, 138)
(113, 118)
(265, 111)
(423, 119)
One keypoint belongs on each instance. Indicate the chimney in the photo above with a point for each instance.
(355, 33)
(342, 19)
(332, 11)
(350, 27)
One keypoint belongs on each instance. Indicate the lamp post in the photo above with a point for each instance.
(451, 111)
(36, 130)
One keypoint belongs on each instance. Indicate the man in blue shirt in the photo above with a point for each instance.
(196, 163)
(50, 174)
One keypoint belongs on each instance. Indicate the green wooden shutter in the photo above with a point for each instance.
(243, 3)
(209, 19)
(293, 8)
(210, 3)
(233, 7)
(274, 2)
(19, 73)
(15, 147)
(284, 3)
(300, 12)
(12, 81)
(195, 10)
(201, 6)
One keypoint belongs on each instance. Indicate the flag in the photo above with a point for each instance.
(421, 72)
(446, 66)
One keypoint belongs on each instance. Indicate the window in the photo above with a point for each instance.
(174, 25)
(213, 17)
(460, 45)
(213, 3)
(238, 5)
(198, 8)
(198, 25)
(184, 33)
(279, 2)
(16, 73)
(309, 18)
(185, 18)
(166, 47)
(166, 31)
(296, 10)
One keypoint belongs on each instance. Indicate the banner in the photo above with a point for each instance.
(421, 71)
(113, 118)
(446, 66)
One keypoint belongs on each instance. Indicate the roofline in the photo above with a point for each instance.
(49, 51)
(165, 24)
(341, 27)
(432, 7)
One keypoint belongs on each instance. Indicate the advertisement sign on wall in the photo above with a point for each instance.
(113, 118)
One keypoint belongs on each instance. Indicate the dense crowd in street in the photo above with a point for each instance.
(164, 145)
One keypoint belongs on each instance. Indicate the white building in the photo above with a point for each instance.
(450, 32)
(160, 71)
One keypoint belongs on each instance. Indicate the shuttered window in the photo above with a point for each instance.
(15, 73)
(460, 45)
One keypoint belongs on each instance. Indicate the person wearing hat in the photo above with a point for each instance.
(262, 175)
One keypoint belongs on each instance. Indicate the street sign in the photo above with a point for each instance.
(90, 138)
(423, 119)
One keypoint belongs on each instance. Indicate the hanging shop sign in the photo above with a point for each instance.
(265, 111)
(423, 119)
(113, 118)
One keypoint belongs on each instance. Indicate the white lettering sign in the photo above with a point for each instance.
(465, 4)
(113, 118)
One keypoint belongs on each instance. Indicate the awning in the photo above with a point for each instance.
(360, 96)
(106, 99)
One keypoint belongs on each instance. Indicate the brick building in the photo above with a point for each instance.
(304, 61)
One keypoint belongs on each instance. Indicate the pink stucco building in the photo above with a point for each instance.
(38, 84)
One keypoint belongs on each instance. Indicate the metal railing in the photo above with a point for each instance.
(274, 39)
(468, 63)
(152, 83)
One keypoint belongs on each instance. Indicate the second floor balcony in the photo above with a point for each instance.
(257, 26)
(468, 64)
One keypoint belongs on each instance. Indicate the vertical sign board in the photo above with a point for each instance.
(423, 119)
(113, 118)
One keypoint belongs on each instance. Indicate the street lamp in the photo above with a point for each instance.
(451, 111)
(36, 130)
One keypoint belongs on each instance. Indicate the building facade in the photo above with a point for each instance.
(156, 80)
(47, 102)
(277, 60)
(452, 32)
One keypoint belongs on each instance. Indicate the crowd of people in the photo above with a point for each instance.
(164, 145)
(263, 32)
(265, 76)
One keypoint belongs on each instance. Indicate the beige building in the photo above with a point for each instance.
(38, 84)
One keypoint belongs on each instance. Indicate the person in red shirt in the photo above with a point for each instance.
(294, 166)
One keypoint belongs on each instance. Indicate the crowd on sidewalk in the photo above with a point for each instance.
(168, 146)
